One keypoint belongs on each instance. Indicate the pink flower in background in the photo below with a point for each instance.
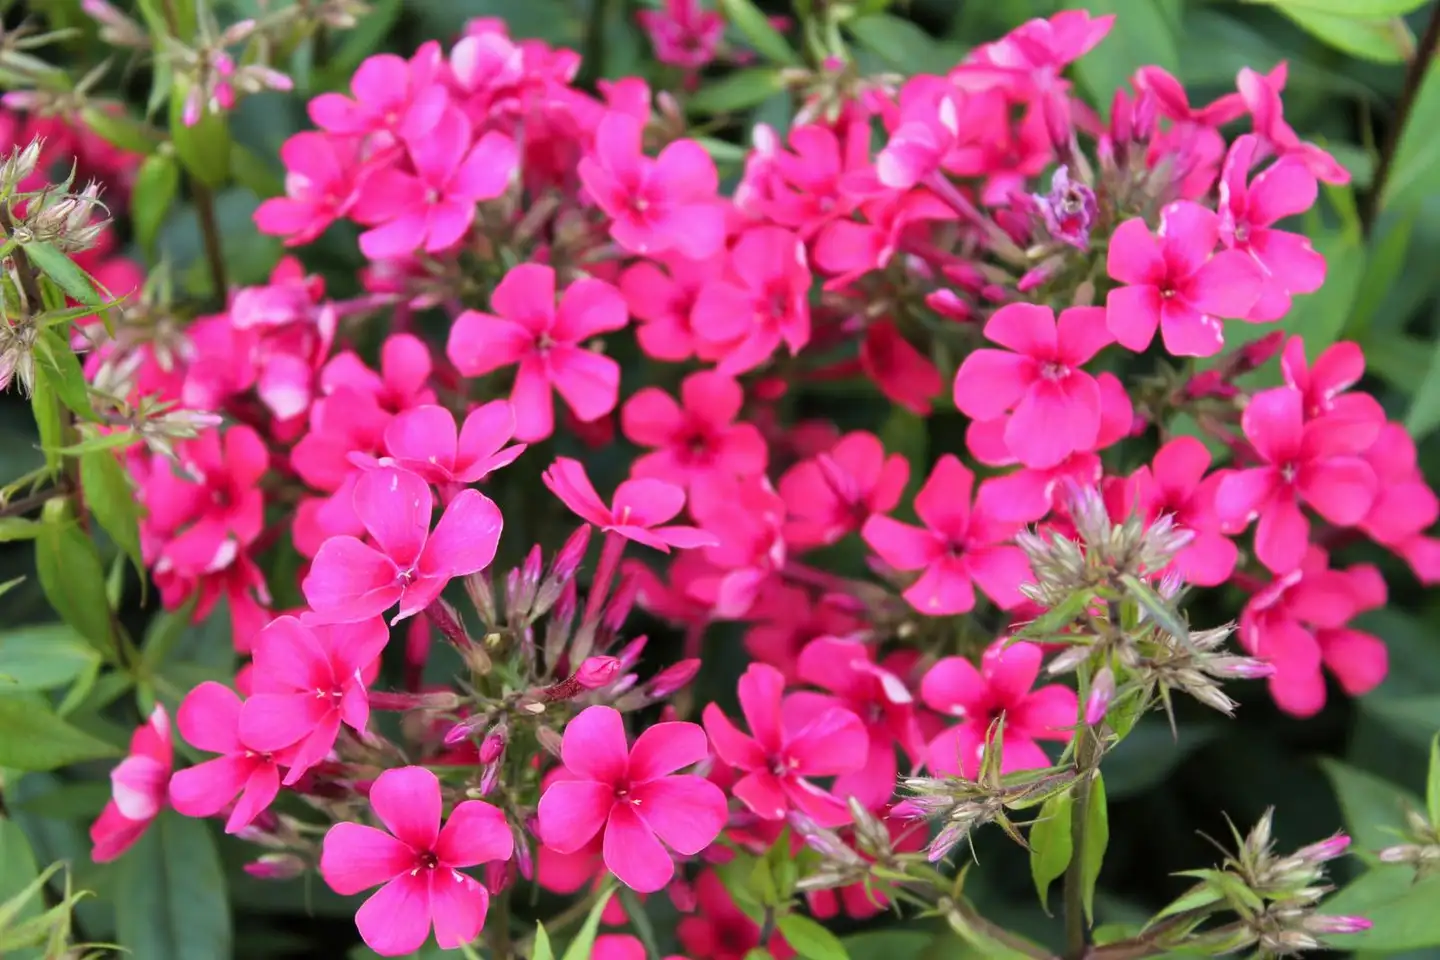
(1404, 503)
(928, 131)
(960, 546)
(205, 518)
(1056, 404)
(667, 203)
(1175, 484)
(1175, 284)
(404, 380)
(661, 300)
(683, 33)
(209, 719)
(547, 344)
(786, 746)
(351, 580)
(954, 688)
(835, 492)
(1316, 463)
(1261, 93)
(1325, 385)
(740, 321)
(695, 437)
(633, 795)
(417, 864)
(745, 519)
(137, 789)
(1247, 218)
(309, 680)
(393, 97)
(323, 178)
(904, 374)
(639, 509)
(423, 440)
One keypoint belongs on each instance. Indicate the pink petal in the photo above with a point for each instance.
(272, 721)
(763, 793)
(209, 717)
(588, 381)
(943, 503)
(593, 745)
(571, 813)
(1227, 285)
(687, 812)
(531, 399)
(1359, 661)
(407, 801)
(396, 919)
(1010, 670)
(526, 296)
(666, 747)
(954, 687)
(990, 382)
(651, 418)
(1132, 314)
(1188, 234)
(487, 168)
(395, 506)
(684, 171)
(901, 545)
(1208, 561)
(289, 657)
(1282, 535)
(999, 572)
(206, 788)
(760, 690)
(1081, 333)
(260, 790)
(1049, 713)
(732, 746)
(1341, 489)
(355, 858)
(943, 589)
(458, 905)
(480, 343)
(487, 428)
(1026, 329)
(423, 435)
(1134, 256)
(1285, 189)
(589, 308)
(476, 832)
(713, 398)
(1181, 463)
(646, 503)
(395, 239)
(466, 537)
(137, 785)
(1291, 260)
(1053, 420)
(1188, 332)
(350, 581)
(566, 479)
(1243, 494)
(633, 853)
(1273, 422)
(833, 742)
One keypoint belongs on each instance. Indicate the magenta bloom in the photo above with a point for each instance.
(1247, 216)
(787, 744)
(1056, 404)
(323, 175)
(418, 862)
(352, 581)
(217, 511)
(1261, 93)
(392, 96)
(668, 203)
(683, 33)
(661, 300)
(1325, 385)
(696, 438)
(958, 548)
(954, 687)
(434, 207)
(637, 510)
(307, 681)
(137, 789)
(1176, 484)
(1175, 284)
(1317, 463)
(633, 795)
(835, 492)
(548, 345)
(423, 440)
(209, 719)
(740, 321)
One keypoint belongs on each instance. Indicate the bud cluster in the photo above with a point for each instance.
(1421, 849)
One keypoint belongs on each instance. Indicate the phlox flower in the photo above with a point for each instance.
(695, 437)
(835, 492)
(953, 687)
(785, 619)
(926, 133)
(905, 375)
(667, 203)
(789, 742)
(806, 188)
(424, 441)
(746, 519)
(393, 96)
(419, 863)
(661, 300)
(323, 179)
(1315, 462)
(403, 381)
(209, 719)
(1261, 93)
(137, 789)
(638, 511)
(1404, 503)
(633, 795)
(1056, 404)
(683, 33)
(1325, 385)
(764, 301)
(308, 680)
(719, 930)
(1173, 282)
(959, 547)
(547, 343)
(351, 580)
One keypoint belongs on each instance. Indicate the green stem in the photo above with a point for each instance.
(210, 234)
(497, 927)
(1077, 933)
(1414, 76)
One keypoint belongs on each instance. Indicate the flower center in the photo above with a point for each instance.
(426, 861)
(1054, 371)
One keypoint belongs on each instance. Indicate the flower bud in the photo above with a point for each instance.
(477, 587)
(462, 731)
(498, 876)
(1241, 668)
(1327, 849)
(674, 677)
(1102, 691)
(1323, 924)
(597, 672)
(488, 778)
(494, 743)
(20, 165)
(276, 866)
(549, 740)
(562, 571)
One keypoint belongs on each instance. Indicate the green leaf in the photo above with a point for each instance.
(767, 41)
(1384, 264)
(65, 272)
(49, 418)
(1052, 621)
(1402, 911)
(68, 377)
(32, 737)
(18, 528)
(1352, 9)
(119, 128)
(890, 943)
(156, 184)
(736, 91)
(204, 148)
(1415, 171)
(1374, 809)
(1432, 784)
(542, 950)
(43, 657)
(17, 868)
(1144, 33)
(72, 578)
(111, 498)
(1156, 608)
(1424, 414)
(171, 903)
(1379, 40)
(584, 941)
(1097, 838)
(810, 939)
(254, 173)
(902, 44)
(1414, 718)
(1050, 844)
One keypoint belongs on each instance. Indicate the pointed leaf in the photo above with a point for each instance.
(68, 377)
(34, 738)
(111, 498)
(542, 950)
(1097, 838)
(204, 148)
(1050, 844)
(736, 91)
(156, 185)
(65, 272)
(171, 902)
(72, 577)
(584, 942)
(767, 41)
(1160, 612)
(1432, 784)
(49, 417)
(43, 657)
(810, 939)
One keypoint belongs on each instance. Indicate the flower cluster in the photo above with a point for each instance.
(554, 233)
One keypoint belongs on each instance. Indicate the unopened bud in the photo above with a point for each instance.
(597, 672)
(494, 743)
(276, 866)
(462, 730)
(498, 876)
(673, 678)
(1322, 924)
(489, 777)
(1241, 668)
(1102, 691)
(549, 740)
(617, 611)
(477, 587)
(1327, 849)
(562, 571)
(20, 165)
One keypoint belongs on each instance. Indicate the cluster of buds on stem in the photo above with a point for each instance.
(1421, 849)
(872, 860)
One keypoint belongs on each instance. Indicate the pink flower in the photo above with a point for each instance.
(1175, 284)
(209, 719)
(137, 789)
(307, 681)
(1247, 216)
(1175, 484)
(662, 300)
(958, 545)
(403, 381)
(419, 863)
(697, 438)
(637, 510)
(392, 96)
(904, 374)
(719, 930)
(806, 188)
(954, 687)
(1315, 463)
(764, 302)
(786, 746)
(433, 208)
(928, 131)
(547, 345)
(1325, 385)
(633, 795)
(323, 176)
(745, 517)
(352, 581)
(423, 440)
(1404, 503)
(668, 203)
(1056, 404)
(834, 493)
(682, 33)
(1261, 94)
